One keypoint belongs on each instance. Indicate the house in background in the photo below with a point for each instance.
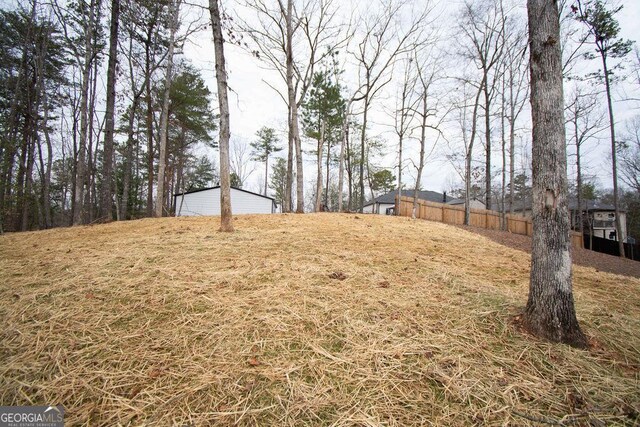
(598, 217)
(207, 202)
(385, 204)
(473, 203)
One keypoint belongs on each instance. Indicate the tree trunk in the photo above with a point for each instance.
(614, 158)
(318, 202)
(89, 198)
(294, 132)
(126, 164)
(487, 125)
(291, 100)
(397, 208)
(326, 177)
(469, 156)
(266, 172)
(150, 150)
(107, 169)
(423, 141)
(46, 184)
(299, 165)
(28, 182)
(343, 143)
(512, 148)
(503, 187)
(78, 211)
(363, 139)
(349, 172)
(550, 311)
(287, 204)
(174, 13)
(41, 97)
(226, 218)
(579, 175)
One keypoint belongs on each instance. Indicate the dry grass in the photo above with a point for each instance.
(301, 320)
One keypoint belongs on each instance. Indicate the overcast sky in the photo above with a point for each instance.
(254, 104)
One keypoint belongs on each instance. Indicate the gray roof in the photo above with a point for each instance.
(592, 205)
(390, 198)
(461, 201)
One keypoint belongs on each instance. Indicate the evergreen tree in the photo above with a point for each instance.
(266, 145)
(322, 116)
(278, 181)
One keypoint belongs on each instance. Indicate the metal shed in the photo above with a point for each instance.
(206, 201)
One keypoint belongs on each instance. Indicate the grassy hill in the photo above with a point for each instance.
(319, 319)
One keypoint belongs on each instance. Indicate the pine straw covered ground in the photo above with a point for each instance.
(301, 320)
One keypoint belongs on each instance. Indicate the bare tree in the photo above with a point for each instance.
(240, 160)
(483, 27)
(550, 311)
(226, 215)
(384, 39)
(515, 92)
(428, 72)
(403, 114)
(293, 42)
(630, 155)
(585, 123)
(469, 100)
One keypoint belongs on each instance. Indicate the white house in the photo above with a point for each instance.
(207, 202)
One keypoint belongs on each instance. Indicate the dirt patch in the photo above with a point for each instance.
(583, 257)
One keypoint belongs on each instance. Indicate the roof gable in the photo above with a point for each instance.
(217, 186)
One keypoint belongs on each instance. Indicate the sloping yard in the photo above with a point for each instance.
(319, 319)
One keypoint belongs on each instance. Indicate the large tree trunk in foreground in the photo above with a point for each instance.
(226, 218)
(550, 311)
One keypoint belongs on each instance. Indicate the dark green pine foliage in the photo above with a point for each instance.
(262, 149)
(324, 105)
(32, 67)
(191, 122)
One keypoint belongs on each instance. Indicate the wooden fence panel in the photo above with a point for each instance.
(454, 214)
(493, 222)
(434, 213)
(478, 220)
(577, 239)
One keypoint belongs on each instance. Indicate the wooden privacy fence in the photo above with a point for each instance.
(483, 218)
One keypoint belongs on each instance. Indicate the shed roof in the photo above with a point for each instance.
(217, 186)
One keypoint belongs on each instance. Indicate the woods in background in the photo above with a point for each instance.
(103, 117)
